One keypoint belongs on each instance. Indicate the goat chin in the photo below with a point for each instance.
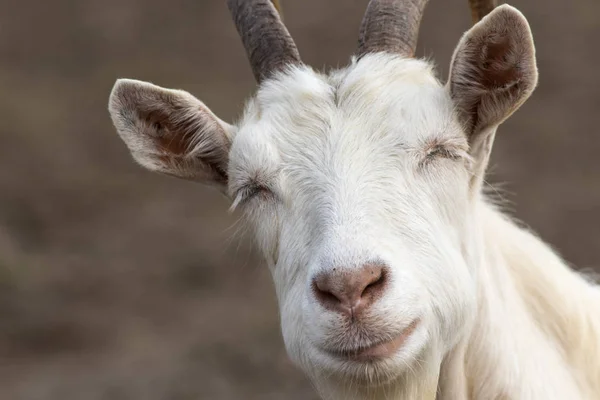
(413, 387)
(419, 381)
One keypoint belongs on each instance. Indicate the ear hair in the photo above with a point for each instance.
(171, 132)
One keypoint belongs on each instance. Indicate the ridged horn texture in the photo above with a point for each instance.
(391, 26)
(481, 8)
(268, 43)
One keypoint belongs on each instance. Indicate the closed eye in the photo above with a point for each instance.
(248, 192)
(447, 149)
(442, 151)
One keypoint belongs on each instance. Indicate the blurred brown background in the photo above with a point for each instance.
(119, 284)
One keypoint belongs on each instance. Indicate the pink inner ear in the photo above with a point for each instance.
(173, 137)
(498, 64)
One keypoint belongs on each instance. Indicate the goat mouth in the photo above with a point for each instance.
(379, 350)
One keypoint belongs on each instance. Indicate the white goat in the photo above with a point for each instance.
(396, 278)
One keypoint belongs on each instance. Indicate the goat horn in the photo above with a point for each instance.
(481, 8)
(277, 6)
(391, 26)
(268, 43)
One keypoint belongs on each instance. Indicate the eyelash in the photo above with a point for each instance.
(441, 151)
(247, 193)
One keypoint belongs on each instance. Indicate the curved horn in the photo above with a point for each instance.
(269, 46)
(481, 8)
(391, 26)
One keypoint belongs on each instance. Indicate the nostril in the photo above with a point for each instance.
(324, 293)
(375, 282)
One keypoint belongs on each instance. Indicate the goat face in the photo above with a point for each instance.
(357, 186)
(361, 185)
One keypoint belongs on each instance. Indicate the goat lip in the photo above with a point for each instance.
(380, 350)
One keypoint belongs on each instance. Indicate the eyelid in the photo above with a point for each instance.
(444, 151)
(448, 151)
(246, 193)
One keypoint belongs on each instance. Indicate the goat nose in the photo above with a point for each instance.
(350, 292)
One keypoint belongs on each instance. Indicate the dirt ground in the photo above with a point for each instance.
(119, 284)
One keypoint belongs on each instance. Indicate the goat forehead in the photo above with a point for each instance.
(381, 95)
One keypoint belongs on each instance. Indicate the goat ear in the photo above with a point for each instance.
(493, 72)
(171, 132)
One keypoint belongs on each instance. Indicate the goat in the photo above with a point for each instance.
(396, 277)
